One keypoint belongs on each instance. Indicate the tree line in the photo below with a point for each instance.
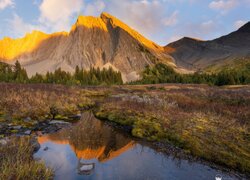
(162, 73)
(94, 76)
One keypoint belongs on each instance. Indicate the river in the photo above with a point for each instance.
(92, 149)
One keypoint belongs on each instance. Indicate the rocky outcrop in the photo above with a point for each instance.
(92, 42)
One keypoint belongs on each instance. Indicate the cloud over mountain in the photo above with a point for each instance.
(5, 3)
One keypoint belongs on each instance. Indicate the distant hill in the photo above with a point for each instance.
(195, 54)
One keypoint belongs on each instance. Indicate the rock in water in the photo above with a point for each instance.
(28, 132)
(17, 127)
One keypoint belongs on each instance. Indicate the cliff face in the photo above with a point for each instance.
(195, 54)
(92, 42)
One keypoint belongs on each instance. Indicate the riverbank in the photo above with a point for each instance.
(209, 123)
(16, 160)
(92, 148)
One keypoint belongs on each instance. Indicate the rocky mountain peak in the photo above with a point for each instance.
(89, 22)
(116, 23)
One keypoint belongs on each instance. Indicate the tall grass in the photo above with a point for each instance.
(16, 162)
(207, 122)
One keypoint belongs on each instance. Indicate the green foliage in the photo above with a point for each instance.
(148, 129)
(161, 73)
(80, 76)
(13, 74)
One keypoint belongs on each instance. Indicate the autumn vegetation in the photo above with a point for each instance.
(207, 122)
(16, 161)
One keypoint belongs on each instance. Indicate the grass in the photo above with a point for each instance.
(16, 162)
(41, 101)
(211, 123)
(207, 122)
(242, 65)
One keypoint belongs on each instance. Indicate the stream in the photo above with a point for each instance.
(92, 149)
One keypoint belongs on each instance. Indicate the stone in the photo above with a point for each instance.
(87, 167)
(35, 144)
(46, 148)
(28, 119)
(58, 122)
(3, 142)
(17, 127)
(28, 132)
(77, 116)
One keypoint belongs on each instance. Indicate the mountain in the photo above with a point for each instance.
(92, 42)
(196, 54)
(106, 41)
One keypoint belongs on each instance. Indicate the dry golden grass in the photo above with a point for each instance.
(208, 122)
(16, 162)
(20, 101)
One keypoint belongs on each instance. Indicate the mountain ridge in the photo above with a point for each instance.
(196, 54)
(106, 41)
(92, 42)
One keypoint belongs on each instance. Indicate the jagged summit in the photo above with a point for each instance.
(89, 22)
(107, 21)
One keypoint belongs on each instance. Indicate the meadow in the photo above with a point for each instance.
(206, 122)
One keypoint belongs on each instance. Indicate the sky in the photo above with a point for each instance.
(162, 21)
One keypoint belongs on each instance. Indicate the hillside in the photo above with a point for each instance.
(197, 54)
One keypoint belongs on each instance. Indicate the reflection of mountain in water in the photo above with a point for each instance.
(91, 139)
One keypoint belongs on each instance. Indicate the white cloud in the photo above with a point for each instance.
(172, 20)
(207, 27)
(202, 30)
(223, 5)
(57, 14)
(239, 23)
(174, 38)
(146, 16)
(6, 3)
(138, 14)
(95, 8)
(18, 27)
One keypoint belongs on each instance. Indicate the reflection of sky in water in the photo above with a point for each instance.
(136, 163)
(115, 156)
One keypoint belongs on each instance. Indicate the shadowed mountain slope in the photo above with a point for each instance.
(196, 54)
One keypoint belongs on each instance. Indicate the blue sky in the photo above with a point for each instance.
(162, 21)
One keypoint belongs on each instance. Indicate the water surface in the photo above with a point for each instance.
(91, 149)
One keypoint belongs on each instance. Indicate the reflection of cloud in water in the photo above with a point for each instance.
(59, 157)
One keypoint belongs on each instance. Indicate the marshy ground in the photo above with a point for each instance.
(211, 123)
